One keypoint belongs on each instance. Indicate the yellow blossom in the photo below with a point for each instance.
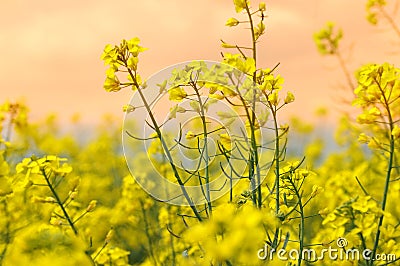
(362, 138)
(316, 190)
(396, 132)
(289, 98)
(91, 206)
(190, 135)
(232, 22)
(177, 94)
(374, 144)
(261, 6)
(273, 98)
(240, 5)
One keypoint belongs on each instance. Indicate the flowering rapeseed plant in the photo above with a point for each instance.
(76, 204)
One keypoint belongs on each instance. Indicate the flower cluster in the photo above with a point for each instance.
(125, 55)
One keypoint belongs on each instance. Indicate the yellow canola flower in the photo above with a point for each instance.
(112, 256)
(369, 116)
(133, 62)
(363, 204)
(216, 96)
(372, 6)
(225, 140)
(374, 92)
(316, 190)
(374, 144)
(323, 212)
(134, 47)
(231, 234)
(363, 138)
(231, 22)
(374, 111)
(396, 132)
(177, 94)
(289, 97)
(190, 135)
(111, 84)
(128, 108)
(109, 55)
(272, 83)
(284, 209)
(240, 5)
(91, 206)
(46, 244)
(175, 109)
(329, 218)
(261, 6)
(109, 236)
(259, 30)
(327, 40)
(227, 45)
(366, 225)
(273, 98)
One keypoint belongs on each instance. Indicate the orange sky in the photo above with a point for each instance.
(50, 50)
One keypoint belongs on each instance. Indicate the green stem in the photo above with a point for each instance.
(253, 37)
(101, 249)
(171, 236)
(385, 194)
(146, 230)
(253, 114)
(165, 147)
(360, 234)
(250, 161)
(171, 243)
(205, 147)
(388, 172)
(302, 222)
(59, 202)
(277, 156)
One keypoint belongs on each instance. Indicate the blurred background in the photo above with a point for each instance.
(50, 50)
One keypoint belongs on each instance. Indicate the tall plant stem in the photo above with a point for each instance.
(164, 146)
(147, 232)
(59, 202)
(388, 172)
(302, 222)
(205, 147)
(254, 148)
(276, 156)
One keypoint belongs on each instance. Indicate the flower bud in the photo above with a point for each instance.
(261, 6)
(190, 135)
(396, 132)
(73, 194)
(363, 138)
(91, 206)
(109, 235)
(289, 98)
(232, 22)
(128, 108)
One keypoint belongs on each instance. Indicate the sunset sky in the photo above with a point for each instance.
(50, 50)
